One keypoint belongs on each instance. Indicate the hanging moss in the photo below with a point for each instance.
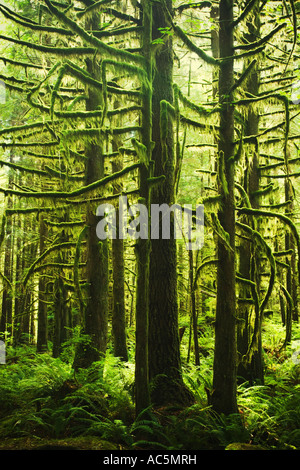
(95, 42)
(25, 65)
(13, 79)
(203, 265)
(62, 51)
(248, 8)
(190, 44)
(32, 210)
(141, 151)
(54, 93)
(244, 194)
(295, 30)
(261, 244)
(243, 76)
(261, 42)
(223, 236)
(23, 168)
(286, 220)
(222, 175)
(21, 20)
(193, 106)
(61, 175)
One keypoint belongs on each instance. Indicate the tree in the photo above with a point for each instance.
(164, 354)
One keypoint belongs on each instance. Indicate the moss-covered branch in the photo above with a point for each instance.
(76, 192)
(25, 65)
(261, 243)
(193, 5)
(31, 270)
(286, 220)
(62, 51)
(23, 168)
(262, 41)
(13, 16)
(89, 39)
(248, 8)
(28, 144)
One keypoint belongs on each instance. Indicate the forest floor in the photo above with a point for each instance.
(44, 405)
(75, 443)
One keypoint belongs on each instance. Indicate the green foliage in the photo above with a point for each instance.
(40, 396)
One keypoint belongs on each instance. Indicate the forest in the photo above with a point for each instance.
(180, 120)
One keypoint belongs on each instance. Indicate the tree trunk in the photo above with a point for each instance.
(7, 302)
(142, 247)
(164, 354)
(42, 333)
(225, 357)
(60, 301)
(97, 273)
(119, 311)
(249, 264)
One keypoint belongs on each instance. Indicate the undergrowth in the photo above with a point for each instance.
(40, 396)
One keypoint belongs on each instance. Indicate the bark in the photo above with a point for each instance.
(225, 357)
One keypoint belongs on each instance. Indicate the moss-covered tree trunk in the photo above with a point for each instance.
(142, 247)
(97, 273)
(164, 354)
(7, 301)
(225, 357)
(249, 265)
(291, 276)
(119, 310)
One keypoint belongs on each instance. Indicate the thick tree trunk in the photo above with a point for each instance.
(225, 358)
(164, 354)
(7, 301)
(97, 273)
(119, 310)
(142, 247)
